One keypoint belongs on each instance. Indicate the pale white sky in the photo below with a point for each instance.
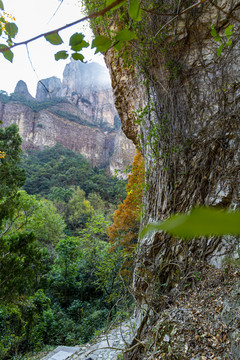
(33, 18)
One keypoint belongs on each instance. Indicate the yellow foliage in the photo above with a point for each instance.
(124, 231)
(2, 154)
(6, 18)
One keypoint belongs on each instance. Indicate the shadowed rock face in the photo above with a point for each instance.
(77, 112)
(189, 134)
(49, 88)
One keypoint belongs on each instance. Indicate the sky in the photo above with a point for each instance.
(34, 17)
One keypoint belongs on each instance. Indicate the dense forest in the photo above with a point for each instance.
(59, 274)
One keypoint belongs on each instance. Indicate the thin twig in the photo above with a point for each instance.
(181, 13)
(178, 8)
(151, 11)
(35, 72)
(55, 11)
(89, 17)
(225, 12)
(118, 349)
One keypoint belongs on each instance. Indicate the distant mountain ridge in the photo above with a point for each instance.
(77, 112)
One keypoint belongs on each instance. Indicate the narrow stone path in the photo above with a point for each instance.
(61, 353)
(104, 347)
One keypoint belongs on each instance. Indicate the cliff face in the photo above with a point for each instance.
(188, 116)
(77, 112)
(45, 128)
(187, 100)
(86, 86)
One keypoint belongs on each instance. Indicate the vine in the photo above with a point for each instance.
(224, 40)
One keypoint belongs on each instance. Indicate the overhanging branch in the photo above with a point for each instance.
(89, 17)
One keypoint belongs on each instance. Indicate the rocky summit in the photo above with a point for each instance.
(77, 112)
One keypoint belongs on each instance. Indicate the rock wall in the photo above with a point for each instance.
(187, 100)
(123, 150)
(88, 86)
(77, 112)
(45, 128)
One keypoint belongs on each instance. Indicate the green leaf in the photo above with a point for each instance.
(11, 29)
(217, 38)
(2, 20)
(134, 10)
(1, 5)
(83, 44)
(213, 31)
(77, 56)
(125, 35)
(118, 46)
(229, 43)
(219, 50)
(61, 55)
(228, 31)
(75, 40)
(54, 38)
(8, 54)
(200, 222)
(109, 2)
(101, 43)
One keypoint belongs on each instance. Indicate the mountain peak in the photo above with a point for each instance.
(78, 76)
(47, 88)
(22, 89)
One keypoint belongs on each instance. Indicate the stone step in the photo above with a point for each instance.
(105, 347)
(61, 353)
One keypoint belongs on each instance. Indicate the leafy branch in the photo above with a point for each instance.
(101, 43)
(52, 36)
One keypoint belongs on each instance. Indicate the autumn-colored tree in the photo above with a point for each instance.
(123, 233)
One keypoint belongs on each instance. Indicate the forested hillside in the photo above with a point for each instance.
(56, 173)
(59, 273)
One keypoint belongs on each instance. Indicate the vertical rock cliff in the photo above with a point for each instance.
(77, 112)
(178, 100)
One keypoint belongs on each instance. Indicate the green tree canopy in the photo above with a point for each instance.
(53, 169)
(12, 177)
(20, 260)
(78, 210)
(37, 216)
